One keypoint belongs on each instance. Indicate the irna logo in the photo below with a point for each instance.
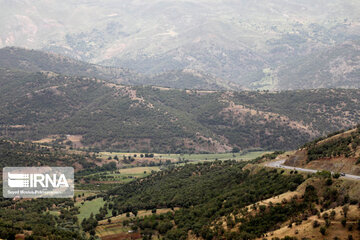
(38, 182)
(35, 180)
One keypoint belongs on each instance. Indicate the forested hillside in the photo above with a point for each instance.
(225, 200)
(33, 217)
(21, 154)
(107, 115)
(204, 192)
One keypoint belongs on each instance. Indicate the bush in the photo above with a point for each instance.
(336, 175)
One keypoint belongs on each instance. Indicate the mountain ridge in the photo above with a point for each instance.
(34, 61)
(145, 118)
(246, 42)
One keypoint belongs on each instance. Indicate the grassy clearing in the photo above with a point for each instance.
(89, 207)
(86, 193)
(121, 175)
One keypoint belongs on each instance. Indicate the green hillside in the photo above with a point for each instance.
(106, 115)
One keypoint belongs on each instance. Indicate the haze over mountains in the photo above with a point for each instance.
(254, 44)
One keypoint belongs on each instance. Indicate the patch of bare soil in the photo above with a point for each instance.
(297, 159)
(47, 139)
(76, 140)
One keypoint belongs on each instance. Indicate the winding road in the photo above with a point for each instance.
(280, 164)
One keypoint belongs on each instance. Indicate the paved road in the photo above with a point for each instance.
(280, 164)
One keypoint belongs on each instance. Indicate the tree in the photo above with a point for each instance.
(316, 224)
(345, 210)
(343, 222)
(323, 231)
(235, 150)
(135, 212)
(114, 212)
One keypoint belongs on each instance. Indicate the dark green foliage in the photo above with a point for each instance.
(334, 148)
(264, 222)
(340, 146)
(205, 192)
(14, 154)
(89, 224)
(30, 215)
(147, 119)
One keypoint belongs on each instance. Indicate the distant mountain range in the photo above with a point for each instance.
(35, 61)
(223, 44)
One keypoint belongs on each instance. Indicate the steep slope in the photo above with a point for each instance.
(108, 115)
(339, 152)
(228, 200)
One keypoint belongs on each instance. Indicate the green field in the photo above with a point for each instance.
(89, 207)
(121, 175)
(218, 156)
(192, 157)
